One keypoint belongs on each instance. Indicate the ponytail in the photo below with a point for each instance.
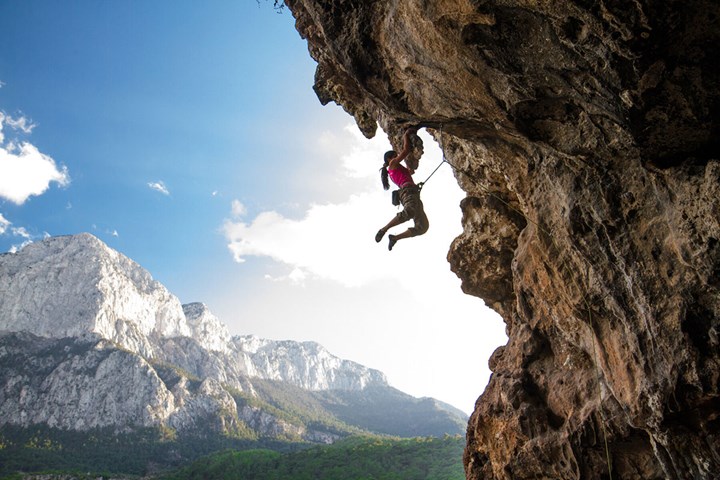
(384, 170)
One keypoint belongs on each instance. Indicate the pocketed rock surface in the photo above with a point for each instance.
(586, 137)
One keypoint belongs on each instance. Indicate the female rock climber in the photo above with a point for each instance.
(409, 194)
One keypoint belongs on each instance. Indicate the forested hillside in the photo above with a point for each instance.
(378, 458)
(355, 458)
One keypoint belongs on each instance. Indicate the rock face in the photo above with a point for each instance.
(78, 384)
(67, 286)
(586, 136)
(88, 340)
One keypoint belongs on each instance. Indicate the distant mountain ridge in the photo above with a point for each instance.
(89, 340)
(74, 285)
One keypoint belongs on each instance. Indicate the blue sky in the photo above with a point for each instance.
(187, 136)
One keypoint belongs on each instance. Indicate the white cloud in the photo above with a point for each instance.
(18, 247)
(364, 157)
(24, 170)
(23, 124)
(330, 241)
(238, 209)
(159, 187)
(4, 224)
(296, 277)
(20, 232)
(335, 241)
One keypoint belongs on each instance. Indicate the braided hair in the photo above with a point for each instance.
(384, 170)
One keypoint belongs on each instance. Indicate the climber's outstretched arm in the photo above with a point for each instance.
(395, 161)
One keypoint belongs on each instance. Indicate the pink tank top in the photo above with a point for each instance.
(401, 176)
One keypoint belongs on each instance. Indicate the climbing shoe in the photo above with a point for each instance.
(392, 241)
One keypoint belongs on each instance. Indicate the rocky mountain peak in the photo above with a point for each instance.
(206, 328)
(304, 363)
(76, 286)
(67, 286)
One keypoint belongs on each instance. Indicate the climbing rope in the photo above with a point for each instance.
(597, 375)
(421, 184)
(563, 265)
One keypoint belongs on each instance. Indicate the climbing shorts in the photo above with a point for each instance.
(413, 210)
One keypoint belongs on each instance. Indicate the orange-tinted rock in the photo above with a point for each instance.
(587, 137)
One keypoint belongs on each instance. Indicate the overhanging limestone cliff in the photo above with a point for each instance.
(586, 135)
